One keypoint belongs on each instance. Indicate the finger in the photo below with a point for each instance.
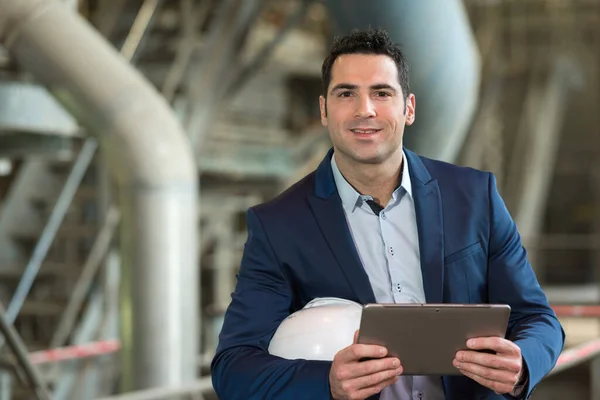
(490, 360)
(376, 379)
(371, 367)
(356, 352)
(370, 391)
(498, 344)
(499, 388)
(496, 375)
(355, 337)
(366, 368)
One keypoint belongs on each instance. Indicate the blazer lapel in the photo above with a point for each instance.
(327, 208)
(430, 225)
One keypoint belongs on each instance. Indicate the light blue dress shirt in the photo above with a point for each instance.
(388, 246)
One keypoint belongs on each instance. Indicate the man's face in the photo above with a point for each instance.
(365, 111)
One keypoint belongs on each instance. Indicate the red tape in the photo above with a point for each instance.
(577, 311)
(74, 352)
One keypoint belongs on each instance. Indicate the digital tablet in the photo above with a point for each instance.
(426, 337)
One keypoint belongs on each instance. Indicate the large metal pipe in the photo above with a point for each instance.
(152, 161)
(444, 64)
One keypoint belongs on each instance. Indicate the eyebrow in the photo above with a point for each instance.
(343, 86)
(380, 86)
(349, 86)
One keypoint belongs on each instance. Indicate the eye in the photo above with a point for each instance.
(345, 94)
(382, 94)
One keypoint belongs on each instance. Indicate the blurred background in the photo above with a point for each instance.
(134, 135)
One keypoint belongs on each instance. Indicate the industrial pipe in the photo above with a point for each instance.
(152, 161)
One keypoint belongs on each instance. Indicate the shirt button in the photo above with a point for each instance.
(398, 287)
(383, 215)
(391, 250)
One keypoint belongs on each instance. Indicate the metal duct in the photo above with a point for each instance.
(444, 64)
(152, 160)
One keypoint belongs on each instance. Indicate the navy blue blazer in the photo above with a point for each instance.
(299, 247)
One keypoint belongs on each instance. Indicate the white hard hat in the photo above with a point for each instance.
(323, 327)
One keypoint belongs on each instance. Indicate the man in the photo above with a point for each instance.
(377, 223)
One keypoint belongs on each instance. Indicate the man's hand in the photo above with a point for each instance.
(351, 378)
(499, 372)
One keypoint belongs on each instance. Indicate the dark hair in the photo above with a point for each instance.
(367, 41)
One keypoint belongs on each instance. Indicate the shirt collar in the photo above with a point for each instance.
(352, 199)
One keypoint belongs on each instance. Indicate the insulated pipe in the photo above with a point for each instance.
(444, 64)
(152, 161)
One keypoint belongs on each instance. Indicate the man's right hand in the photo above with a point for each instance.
(351, 378)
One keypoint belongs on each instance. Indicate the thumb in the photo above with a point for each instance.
(355, 337)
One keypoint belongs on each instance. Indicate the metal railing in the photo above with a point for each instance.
(49, 233)
(32, 375)
(84, 283)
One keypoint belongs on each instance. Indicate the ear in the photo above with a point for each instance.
(323, 108)
(410, 109)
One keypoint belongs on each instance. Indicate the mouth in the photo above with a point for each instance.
(365, 133)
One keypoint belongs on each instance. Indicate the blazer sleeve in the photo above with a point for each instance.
(533, 325)
(242, 368)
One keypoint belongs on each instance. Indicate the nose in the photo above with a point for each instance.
(365, 108)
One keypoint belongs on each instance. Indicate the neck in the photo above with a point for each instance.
(377, 180)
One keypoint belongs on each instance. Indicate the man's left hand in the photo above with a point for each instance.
(499, 372)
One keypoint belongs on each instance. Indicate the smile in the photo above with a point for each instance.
(365, 131)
